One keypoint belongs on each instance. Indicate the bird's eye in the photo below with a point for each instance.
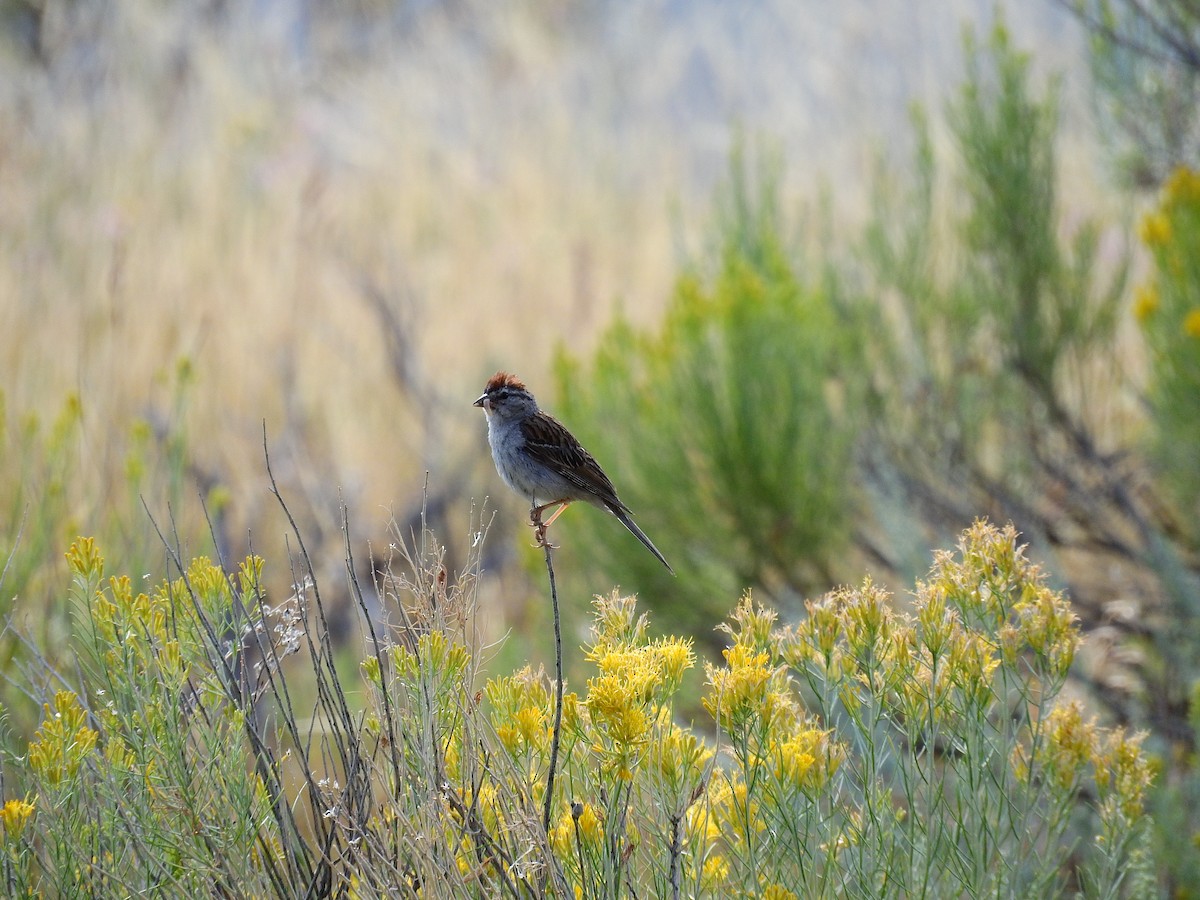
(500, 394)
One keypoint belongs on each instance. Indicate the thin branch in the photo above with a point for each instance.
(558, 691)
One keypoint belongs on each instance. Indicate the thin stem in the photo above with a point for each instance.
(676, 852)
(558, 692)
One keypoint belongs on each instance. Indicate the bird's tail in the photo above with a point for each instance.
(628, 522)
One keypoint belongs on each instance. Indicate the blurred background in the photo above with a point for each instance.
(817, 283)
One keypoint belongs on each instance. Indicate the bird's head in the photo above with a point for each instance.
(506, 396)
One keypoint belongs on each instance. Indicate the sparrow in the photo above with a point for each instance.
(538, 458)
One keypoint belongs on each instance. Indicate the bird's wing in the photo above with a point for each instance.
(548, 442)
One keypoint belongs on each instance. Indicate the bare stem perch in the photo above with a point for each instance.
(558, 691)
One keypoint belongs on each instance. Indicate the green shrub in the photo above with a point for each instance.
(1168, 308)
(51, 480)
(1145, 60)
(737, 426)
(1000, 339)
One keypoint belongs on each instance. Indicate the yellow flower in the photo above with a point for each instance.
(573, 713)
(1191, 323)
(1145, 301)
(85, 560)
(938, 623)
(1123, 772)
(582, 822)
(591, 828)
(617, 706)
(531, 724)
(776, 892)
(676, 657)
(15, 816)
(629, 727)
(1049, 627)
(250, 575)
(807, 759)
(713, 874)
(972, 664)
(62, 741)
(1155, 229)
(562, 835)
(751, 623)
(1183, 186)
(1070, 745)
(738, 690)
(680, 757)
(508, 737)
(868, 620)
(616, 623)
(824, 625)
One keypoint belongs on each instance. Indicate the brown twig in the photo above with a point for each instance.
(558, 691)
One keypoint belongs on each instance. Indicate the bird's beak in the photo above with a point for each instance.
(482, 401)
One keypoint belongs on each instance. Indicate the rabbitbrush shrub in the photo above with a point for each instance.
(862, 751)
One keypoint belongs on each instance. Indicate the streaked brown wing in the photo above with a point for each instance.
(548, 442)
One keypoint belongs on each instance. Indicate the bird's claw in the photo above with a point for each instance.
(539, 536)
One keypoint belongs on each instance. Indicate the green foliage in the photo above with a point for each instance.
(38, 463)
(1168, 307)
(142, 777)
(737, 430)
(863, 752)
(1146, 62)
(50, 483)
(1001, 345)
(1033, 293)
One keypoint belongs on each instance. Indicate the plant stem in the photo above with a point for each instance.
(558, 693)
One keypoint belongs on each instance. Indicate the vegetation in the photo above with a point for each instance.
(200, 242)
(743, 414)
(983, 368)
(1146, 62)
(862, 752)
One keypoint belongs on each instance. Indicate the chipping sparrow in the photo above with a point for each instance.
(538, 458)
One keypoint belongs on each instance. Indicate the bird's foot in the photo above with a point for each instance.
(539, 536)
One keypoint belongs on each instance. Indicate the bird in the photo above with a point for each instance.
(540, 459)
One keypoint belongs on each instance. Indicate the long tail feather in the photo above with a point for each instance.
(641, 536)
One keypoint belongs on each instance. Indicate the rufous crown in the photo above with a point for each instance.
(503, 379)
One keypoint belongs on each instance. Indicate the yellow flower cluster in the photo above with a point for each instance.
(14, 816)
(1171, 232)
(1183, 186)
(739, 691)
(63, 742)
(85, 561)
(750, 623)
(616, 622)
(807, 759)
(520, 705)
(1123, 774)
(157, 634)
(1072, 747)
(1155, 230)
(776, 892)
(636, 677)
(1145, 301)
(1191, 323)
(583, 823)
(435, 654)
(1069, 747)
(679, 758)
(982, 607)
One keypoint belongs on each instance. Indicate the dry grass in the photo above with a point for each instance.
(230, 193)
